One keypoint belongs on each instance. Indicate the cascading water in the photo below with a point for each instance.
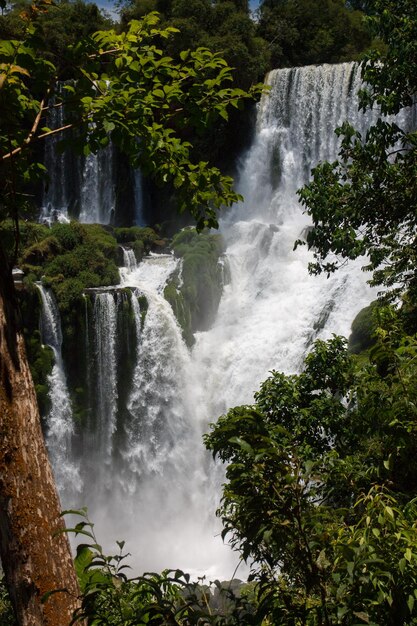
(63, 177)
(129, 260)
(162, 483)
(78, 186)
(105, 317)
(60, 428)
(81, 187)
(138, 191)
(272, 309)
(160, 486)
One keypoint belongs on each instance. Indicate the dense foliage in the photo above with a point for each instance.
(223, 26)
(321, 487)
(67, 257)
(61, 26)
(128, 92)
(303, 32)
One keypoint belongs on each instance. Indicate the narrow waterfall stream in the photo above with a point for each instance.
(105, 319)
(147, 478)
(59, 418)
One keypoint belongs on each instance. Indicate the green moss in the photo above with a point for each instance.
(69, 235)
(143, 307)
(75, 352)
(30, 233)
(139, 249)
(41, 252)
(195, 298)
(141, 240)
(70, 258)
(80, 405)
(363, 329)
(177, 301)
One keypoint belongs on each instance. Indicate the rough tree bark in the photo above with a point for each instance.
(34, 560)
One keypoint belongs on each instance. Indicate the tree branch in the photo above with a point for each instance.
(32, 131)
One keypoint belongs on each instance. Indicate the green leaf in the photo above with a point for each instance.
(108, 126)
(244, 445)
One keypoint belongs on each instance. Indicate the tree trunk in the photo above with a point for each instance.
(35, 560)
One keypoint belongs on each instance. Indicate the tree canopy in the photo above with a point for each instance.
(321, 486)
(312, 31)
(127, 91)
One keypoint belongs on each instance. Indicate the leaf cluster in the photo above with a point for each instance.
(143, 100)
(128, 91)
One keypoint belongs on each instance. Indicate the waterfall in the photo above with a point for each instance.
(138, 192)
(272, 309)
(63, 175)
(156, 404)
(161, 488)
(60, 427)
(91, 199)
(97, 199)
(153, 470)
(80, 187)
(129, 259)
(105, 319)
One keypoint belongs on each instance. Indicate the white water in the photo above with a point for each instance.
(105, 320)
(272, 309)
(129, 260)
(269, 314)
(60, 428)
(97, 200)
(162, 485)
(164, 488)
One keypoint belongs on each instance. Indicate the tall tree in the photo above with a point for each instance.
(35, 553)
(128, 92)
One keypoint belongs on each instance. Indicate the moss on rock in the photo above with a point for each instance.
(140, 239)
(194, 293)
(363, 329)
